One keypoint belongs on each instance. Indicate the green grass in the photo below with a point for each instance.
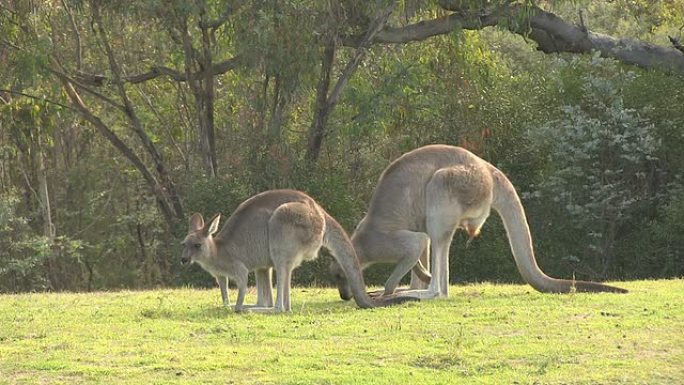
(481, 334)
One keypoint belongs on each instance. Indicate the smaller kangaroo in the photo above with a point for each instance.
(277, 228)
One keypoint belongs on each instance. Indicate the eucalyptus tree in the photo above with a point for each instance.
(535, 21)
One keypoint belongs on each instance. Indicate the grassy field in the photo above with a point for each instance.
(489, 334)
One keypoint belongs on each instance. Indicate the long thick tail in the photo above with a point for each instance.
(338, 243)
(507, 204)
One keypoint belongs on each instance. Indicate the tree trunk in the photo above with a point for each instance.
(324, 103)
(46, 212)
(208, 100)
(202, 86)
(322, 108)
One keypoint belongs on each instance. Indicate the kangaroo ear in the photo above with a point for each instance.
(213, 224)
(196, 222)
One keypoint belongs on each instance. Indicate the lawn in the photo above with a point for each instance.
(481, 334)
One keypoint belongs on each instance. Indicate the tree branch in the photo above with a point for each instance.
(62, 74)
(136, 124)
(225, 15)
(369, 37)
(119, 145)
(77, 35)
(426, 29)
(158, 71)
(550, 32)
(44, 100)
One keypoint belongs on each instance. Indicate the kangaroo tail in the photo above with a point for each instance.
(507, 204)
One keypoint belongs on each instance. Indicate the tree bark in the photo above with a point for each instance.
(46, 211)
(219, 68)
(209, 130)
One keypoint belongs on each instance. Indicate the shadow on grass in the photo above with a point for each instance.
(209, 312)
(303, 304)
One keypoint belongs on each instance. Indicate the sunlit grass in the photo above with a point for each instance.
(496, 334)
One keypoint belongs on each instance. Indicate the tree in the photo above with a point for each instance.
(325, 102)
(551, 33)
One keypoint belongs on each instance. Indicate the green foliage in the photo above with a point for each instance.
(280, 38)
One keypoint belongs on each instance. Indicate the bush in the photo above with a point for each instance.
(603, 169)
(26, 259)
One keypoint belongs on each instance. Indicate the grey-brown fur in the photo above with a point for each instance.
(420, 201)
(275, 229)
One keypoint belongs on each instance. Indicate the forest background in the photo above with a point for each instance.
(118, 119)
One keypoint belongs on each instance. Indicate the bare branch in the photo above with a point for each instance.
(10, 44)
(34, 98)
(162, 122)
(77, 35)
(427, 29)
(567, 37)
(378, 25)
(118, 144)
(136, 124)
(158, 71)
(216, 69)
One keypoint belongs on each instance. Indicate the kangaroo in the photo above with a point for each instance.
(275, 229)
(421, 199)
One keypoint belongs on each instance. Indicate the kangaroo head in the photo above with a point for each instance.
(199, 243)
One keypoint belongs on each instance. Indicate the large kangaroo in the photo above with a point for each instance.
(278, 228)
(420, 201)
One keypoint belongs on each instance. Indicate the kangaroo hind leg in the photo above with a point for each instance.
(403, 248)
(444, 211)
(420, 274)
(295, 232)
(408, 247)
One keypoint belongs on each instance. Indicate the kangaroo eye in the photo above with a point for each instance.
(197, 245)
